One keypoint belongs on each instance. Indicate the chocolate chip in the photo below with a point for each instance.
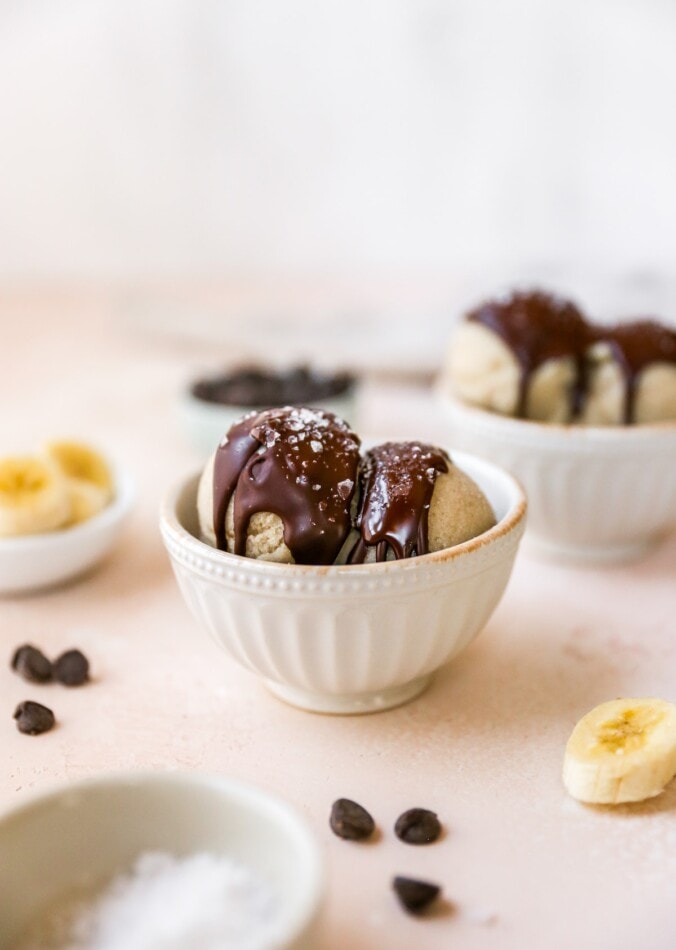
(415, 896)
(72, 668)
(31, 664)
(33, 718)
(418, 826)
(349, 820)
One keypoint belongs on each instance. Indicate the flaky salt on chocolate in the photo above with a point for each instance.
(280, 487)
(413, 501)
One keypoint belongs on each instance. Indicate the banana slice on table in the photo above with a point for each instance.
(88, 476)
(34, 496)
(622, 751)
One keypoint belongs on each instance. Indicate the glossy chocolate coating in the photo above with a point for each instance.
(635, 346)
(396, 485)
(538, 327)
(300, 464)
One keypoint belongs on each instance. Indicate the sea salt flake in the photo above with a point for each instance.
(344, 488)
(316, 487)
(316, 446)
(202, 900)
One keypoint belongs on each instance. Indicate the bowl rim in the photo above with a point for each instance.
(309, 897)
(514, 517)
(612, 434)
(116, 509)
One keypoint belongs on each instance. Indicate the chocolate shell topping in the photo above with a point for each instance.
(396, 485)
(635, 346)
(538, 327)
(300, 464)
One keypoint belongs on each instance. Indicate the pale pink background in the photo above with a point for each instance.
(523, 865)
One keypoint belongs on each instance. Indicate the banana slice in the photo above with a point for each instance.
(88, 476)
(622, 751)
(33, 496)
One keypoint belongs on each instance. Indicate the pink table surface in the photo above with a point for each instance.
(522, 865)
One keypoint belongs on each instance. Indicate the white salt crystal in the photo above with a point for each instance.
(168, 903)
(316, 446)
(345, 487)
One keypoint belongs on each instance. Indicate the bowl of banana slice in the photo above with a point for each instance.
(61, 510)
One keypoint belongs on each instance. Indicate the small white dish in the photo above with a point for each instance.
(205, 423)
(347, 638)
(35, 561)
(595, 495)
(78, 838)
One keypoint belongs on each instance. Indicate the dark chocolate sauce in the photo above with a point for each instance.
(635, 346)
(396, 484)
(538, 327)
(254, 387)
(300, 464)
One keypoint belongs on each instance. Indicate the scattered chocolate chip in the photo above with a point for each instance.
(349, 820)
(31, 664)
(415, 896)
(418, 826)
(33, 718)
(72, 668)
(256, 387)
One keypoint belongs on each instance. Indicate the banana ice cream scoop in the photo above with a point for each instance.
(521, 355)
(413, 500)
(534, 356)
(280, 487)
(631, 375)
(622, 751)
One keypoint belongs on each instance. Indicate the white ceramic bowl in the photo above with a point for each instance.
(205, 423)
(36, 561)
(80, 837)
(594, 494)
(348, 638)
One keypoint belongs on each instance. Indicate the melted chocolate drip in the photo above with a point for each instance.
(635, 346)
(538, 327)
(300, 464)
(396, 485)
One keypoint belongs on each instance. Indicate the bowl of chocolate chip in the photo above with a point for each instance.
(583, 414)
(210, 405)
(343, 578)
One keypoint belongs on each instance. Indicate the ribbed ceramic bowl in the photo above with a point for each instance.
(594, 494)
(205, 423)
(72, 842)
(350, 638)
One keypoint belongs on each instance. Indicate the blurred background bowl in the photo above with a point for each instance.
(347, 638)
(594, 494)
(89, 832)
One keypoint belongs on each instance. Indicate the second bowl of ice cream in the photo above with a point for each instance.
(584, 416)
(343, 637)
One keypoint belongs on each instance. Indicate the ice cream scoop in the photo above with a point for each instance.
(631, 375)
(413, 500)
(534, 356)
(280, 487)
(521, 355)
